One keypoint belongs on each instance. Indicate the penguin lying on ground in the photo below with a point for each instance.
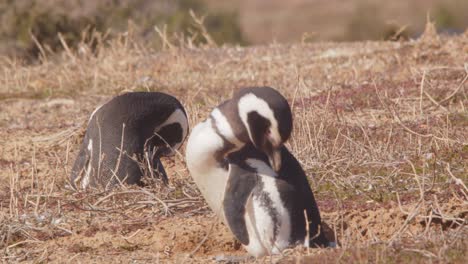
(130, 130)
(249, 178)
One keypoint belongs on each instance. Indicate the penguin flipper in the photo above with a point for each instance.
(239, 187)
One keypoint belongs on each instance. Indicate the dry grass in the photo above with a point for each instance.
(380, 128)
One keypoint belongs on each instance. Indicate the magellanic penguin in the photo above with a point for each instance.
(249, 178)
(130, 130)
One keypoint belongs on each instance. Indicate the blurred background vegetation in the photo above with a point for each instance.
(24, 23)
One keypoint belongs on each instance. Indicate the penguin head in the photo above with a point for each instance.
(267, 119)
(171, 134)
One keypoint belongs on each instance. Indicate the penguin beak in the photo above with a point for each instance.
(274, 157)
(162, 171)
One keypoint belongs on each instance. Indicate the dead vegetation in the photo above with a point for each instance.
(380, 128)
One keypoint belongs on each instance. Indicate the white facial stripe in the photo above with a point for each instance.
(177, 117)
(250, 103)
(224, 127)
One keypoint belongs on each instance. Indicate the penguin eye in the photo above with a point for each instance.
(272, 138)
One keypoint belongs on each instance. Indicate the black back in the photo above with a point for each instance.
(128, 121)
(301, 198)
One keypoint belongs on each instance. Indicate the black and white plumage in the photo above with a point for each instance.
(274, 203)
(129, 130)
(248, 177)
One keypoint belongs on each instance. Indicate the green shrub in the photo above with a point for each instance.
(22, 20)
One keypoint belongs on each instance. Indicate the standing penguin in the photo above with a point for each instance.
(249, 178)
(129, 130)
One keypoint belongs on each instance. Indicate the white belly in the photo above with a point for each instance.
(210, 178)
(260, 224)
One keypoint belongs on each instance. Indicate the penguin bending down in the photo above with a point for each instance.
(130, 130)
(249, 178)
